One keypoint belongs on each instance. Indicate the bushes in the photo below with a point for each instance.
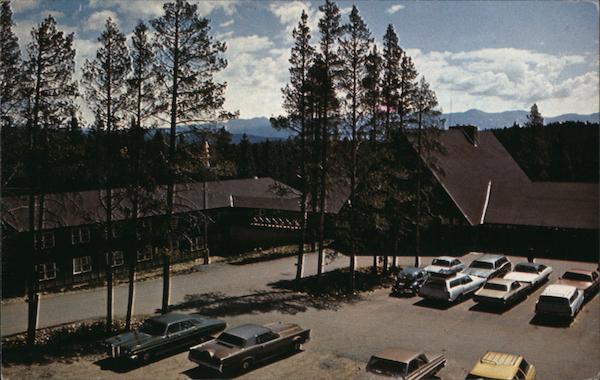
(74, 339)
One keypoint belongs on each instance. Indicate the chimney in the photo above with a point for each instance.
(470, 132)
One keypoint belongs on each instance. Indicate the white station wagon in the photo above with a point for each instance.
(450, 288)
(445, 265)
(559, 301)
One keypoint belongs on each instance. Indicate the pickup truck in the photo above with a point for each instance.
(403, 364)
(243, 346)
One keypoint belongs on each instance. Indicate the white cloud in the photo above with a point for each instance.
(289, 14)
(255, 75)
(23, 5)
(134, 8)
(507, 78)
(394, 8)
(97, 20)
(227, 23)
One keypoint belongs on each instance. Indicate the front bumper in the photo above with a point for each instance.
(117, 352)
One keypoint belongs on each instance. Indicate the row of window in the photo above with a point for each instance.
(80, 235)
(83, 264)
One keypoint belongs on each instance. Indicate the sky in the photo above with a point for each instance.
(487, 55)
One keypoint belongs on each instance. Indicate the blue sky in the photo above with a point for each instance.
(494, 56)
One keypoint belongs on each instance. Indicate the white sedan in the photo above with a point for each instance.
(532, 273)
(445, 265)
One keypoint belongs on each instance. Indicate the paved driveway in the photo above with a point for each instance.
(345, 333)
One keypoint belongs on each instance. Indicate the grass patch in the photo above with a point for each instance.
(60, 343)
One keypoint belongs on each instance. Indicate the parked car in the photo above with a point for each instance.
(409, 281)
(502, 366)
(585, 280)
(403, 364)
(445, 264)
(533, 273)
(450, 288)
(501, 291)
(243, 346)
(163, 333)
(559, 301)
(489, 266)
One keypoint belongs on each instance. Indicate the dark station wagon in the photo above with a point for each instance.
(163, 333)
(243, 346)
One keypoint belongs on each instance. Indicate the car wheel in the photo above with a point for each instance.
(297, 346)
(246, 365)
(146, 357)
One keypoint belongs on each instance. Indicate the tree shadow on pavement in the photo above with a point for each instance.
(201, 372)
(330, 292)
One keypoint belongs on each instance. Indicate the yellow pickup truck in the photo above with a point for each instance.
(502, 366)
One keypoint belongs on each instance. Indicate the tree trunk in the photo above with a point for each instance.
(418, 226)
(131, 288)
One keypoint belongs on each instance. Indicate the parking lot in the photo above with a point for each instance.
(345, 334)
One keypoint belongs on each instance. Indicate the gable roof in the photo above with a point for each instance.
(88, 207)
(489, 187)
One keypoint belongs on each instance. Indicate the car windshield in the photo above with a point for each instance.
(554, 300)
(525, 268)
(441, 263)
(435, 284)
(151, 327)
(232, 339)
(577, 277)
(492, 286)
(407, 275)
(390, 367)
(481, 265)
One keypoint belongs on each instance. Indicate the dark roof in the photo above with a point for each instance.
(248, 331)
(88, 207)
(489, 187)
(398, 354)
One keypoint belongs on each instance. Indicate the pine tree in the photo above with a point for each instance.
(296, 105)
(534, 119)
(354, 49)
(143, 91)
(425, 103)
(10, 72)
(188, 58)
(371, 84)
(392, 59)
(329, 27)
(49, 90)
(246, 168)
(537, 155)
(105, 83)
(407, 89)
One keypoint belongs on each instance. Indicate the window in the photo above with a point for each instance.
(466, 280)
(196, 243)
(266, 337)
(117, 259)
(515, 285)
(174, 328)
(456, 282)
(80, 235)
(455, 262)
(82, 264)
(44, 240)
(186, 325)
(47, 271)
(145, 254)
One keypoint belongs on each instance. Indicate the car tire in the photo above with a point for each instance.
(246, 365)
(297, 346)
(146, 357)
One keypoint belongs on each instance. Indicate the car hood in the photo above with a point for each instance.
(521, 276)
(485, 273)
(439, 269)
(582, 285)
(130, 339)
(217, 349)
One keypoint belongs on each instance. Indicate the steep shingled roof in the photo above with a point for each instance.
(488, 186)
(88, 207)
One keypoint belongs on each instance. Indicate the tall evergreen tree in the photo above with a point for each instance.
(329, 27)
(537, 155)
(425, 103)
(296, 105)
(105, 83)
(188, 58)
(354, 50)
(407, 89)
(371, 84)
(50, 91)
(392, 59)
(10, 72)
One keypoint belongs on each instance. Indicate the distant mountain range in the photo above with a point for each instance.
(259, 129)
(492, 120)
